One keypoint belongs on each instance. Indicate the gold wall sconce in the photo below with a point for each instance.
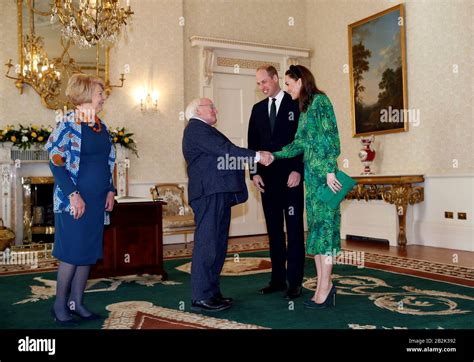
(36, 69)
(148, 100)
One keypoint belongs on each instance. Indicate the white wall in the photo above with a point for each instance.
(281, 22)
(152, 48)
(446, 193)
(426, 224)
(439, 35)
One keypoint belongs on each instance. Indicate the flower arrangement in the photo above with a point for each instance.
(7, 134)
(24, 137)
(122, 137)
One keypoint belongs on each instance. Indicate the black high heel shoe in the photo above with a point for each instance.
(329, 302)
(92, 317)
(66, 323)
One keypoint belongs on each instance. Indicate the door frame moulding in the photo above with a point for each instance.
(220, 55)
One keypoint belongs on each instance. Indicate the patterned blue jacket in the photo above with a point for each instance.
(64, 148)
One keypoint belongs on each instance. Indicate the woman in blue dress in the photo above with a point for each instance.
(82, 159)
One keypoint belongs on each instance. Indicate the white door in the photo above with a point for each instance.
(234, 97)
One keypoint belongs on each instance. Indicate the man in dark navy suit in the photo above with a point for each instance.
(273, 124)
(216, 183)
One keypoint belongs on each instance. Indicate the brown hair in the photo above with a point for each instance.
(80, 87)
(308, 85)
(270, 69)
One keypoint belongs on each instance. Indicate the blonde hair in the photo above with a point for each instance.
(80, 87)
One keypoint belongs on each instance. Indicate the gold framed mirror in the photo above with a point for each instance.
(46, 60)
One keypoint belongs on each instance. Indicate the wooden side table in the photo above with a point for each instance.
(133, 242)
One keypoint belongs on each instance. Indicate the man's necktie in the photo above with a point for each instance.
(273, 114)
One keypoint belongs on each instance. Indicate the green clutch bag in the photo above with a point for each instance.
(333, 200)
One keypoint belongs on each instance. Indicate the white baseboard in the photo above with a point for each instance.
(441, 235)
(177, 239)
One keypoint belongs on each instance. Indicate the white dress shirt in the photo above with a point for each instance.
(279, 98)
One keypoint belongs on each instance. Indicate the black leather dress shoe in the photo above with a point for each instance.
(223, 299)
(272, 288)
(209, 305)
(293, 293)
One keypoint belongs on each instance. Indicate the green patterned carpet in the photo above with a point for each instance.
(367, 298)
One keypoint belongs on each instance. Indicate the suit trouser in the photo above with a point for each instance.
(212, 216)
(279, 203)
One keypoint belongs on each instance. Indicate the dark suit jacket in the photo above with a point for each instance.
(260, 137)
(204, 149)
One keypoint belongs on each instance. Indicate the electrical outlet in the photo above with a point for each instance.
(462, 216)
(448, 215)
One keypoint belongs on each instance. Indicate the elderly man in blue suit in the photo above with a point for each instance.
(216, 183)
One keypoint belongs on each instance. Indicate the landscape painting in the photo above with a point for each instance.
(377, 66)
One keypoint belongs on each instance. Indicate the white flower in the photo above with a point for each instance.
(24, 131)
(24, 139)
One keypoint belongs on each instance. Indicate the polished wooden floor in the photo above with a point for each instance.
(439, 255)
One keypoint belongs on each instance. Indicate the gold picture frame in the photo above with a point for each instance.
(377, 68)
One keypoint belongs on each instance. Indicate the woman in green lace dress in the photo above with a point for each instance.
(317, 138)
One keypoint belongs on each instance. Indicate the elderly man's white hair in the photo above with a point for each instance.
(191, 109)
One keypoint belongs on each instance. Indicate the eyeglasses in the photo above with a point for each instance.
(208, 105)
